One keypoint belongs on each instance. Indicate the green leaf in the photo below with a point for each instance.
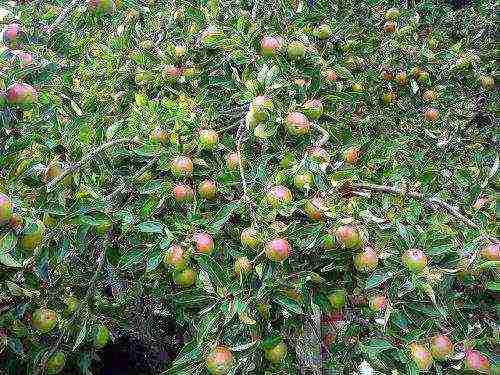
(8, 261)
(131, 258)
(81, 335)
(223, 216)
(214, 270)
(7, 242)
(377, 278)
(193, 298)
(152, 226)
(493, 286)
(288, 303)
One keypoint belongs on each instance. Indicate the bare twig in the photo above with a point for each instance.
(246, 197)
(433, 202)
(132, 178)
(74, 167)
(63, 16)
(324, 133)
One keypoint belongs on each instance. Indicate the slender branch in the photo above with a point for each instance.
(246, 197)
(132, 178)
(254, 9)
(63, 16)
(74, 167)
(325, 135)
(454, 211)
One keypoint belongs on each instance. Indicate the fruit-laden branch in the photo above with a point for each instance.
(74, 167)
(131, 179)
(62, 16)
(454, 211)
(100, 264)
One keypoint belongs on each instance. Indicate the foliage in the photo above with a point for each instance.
(402, 149)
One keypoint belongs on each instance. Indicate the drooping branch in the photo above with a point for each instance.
(432, 202)
(63, 16)
(76, 166)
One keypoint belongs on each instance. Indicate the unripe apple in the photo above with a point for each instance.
(415, 260)
(420, 356)
(278, 249)
(21, 94)
(208, 139)
(401, 78)
(171, 73)
(55, 364)
(183, 193)
(6, 209)
(159, 135)
(329, 239)
(424, 77)
(337, 299)
(390, 26)
(179, 52)
(32, 235)
(219, 361)
(233, 161)
(11, 33)
(315, 208)
(377, 304)
(181, 166)
(260, 108)
(431, 114)
(476, 361)
(250, 237)
(392, 14)
(349, 237)
(441, 347)
(324, 32)
(270, 46)
(242, 266)
(313, 109)
(211, 36)
(329, 75)
(487, 82)
(101, 337)
(389, 97)
(204, 243)
(278, 196)
(296, 50)
(208, 189)
(185, 278)
(44, 320)
(429, 95)
(352, 155)
(276, 354)
(357, 87)
(492, 252)
(101, 6)
(297, 124)
(366, 260)
(176, 257)
(319, 155)
(303, 180)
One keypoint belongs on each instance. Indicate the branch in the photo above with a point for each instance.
(323, 131)
(62, 16)
(246, 198)
(132, 178)
(254, 9)
(454, 211)
(86, 159)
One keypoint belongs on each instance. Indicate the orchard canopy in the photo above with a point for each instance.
(251, 187)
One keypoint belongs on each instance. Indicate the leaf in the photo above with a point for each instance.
(8, 261)
(208, 324)
(288, 303)
(150, 227)
(81, 335)
(191, 353)
(493, 286)
(222, 217)
(131, 258)
(7, 242)
(214, 270)
(193, 298)
(377, 278)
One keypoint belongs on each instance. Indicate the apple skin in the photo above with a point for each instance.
(278, 249)
(219, 361)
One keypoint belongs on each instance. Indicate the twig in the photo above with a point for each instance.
(132, 178)
(100, 263)
(245, 197)
(323, 131)
(431, 201)
(62, 16)
(254, 9)
(85, 159)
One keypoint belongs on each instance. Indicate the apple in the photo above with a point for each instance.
(204, 243)
(219, 361)
(297, 124)
(176, 257)
(270, 46)
(278, 249)
(420, 356)
(415, 260)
